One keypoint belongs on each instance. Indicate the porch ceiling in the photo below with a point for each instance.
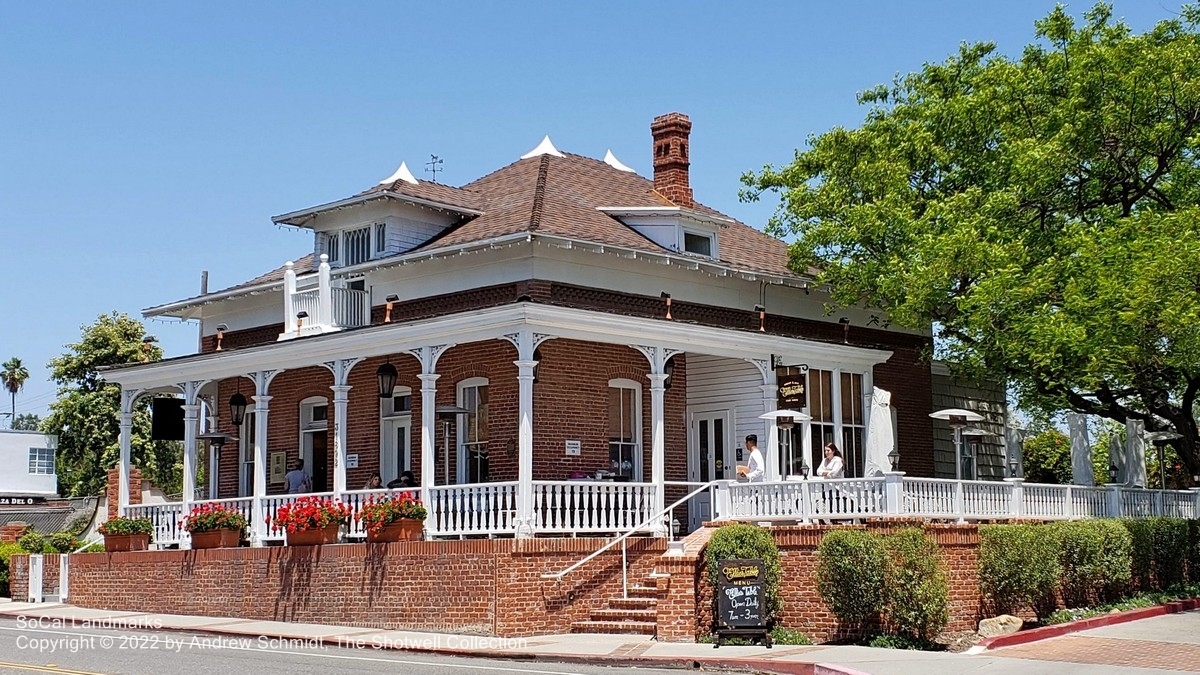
(488, 324)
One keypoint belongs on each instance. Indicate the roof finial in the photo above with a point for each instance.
(544, 148)
(611, 160)
(401, 174)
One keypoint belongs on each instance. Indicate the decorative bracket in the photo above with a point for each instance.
(341, 369)
(428, 356)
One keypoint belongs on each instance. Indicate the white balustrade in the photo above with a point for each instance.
(1179, 504)
(986, 500)
(351, 308)
(165, 518)
(929, 498)
(585, 506)
(242, 505)
(1137, 503)
(477, 509)
(1048, 502)
(846, 497)
(310, 303)
(1089, 502)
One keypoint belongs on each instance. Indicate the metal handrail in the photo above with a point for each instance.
(557, 576)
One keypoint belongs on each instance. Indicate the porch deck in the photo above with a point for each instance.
(560, 508)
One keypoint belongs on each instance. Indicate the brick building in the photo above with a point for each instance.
(606, 340)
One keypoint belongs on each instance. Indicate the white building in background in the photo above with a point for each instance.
(27, 466)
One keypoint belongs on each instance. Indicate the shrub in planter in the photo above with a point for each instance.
(1019, 567)
(212, 517)
(742, 540)
(851, 569)
(32, 542)
(308, 514)
(1096, 559)
(917, 589)
(122, 526)
(376, 514)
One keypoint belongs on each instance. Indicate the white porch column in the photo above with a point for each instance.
(341, 399)
(289, 297)
(526, 343)
(428, 357)
(262, 382)
(128, 399)
(324, 293)
(658, 357)
(191, 424)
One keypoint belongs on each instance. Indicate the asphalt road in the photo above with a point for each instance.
(67, 650)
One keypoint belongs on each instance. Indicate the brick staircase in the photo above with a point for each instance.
(634, 615)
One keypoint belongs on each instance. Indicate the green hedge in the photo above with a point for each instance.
(1193, 562)
(1096, 559)
(851, 575)
(1160, 551)
(742, 540)
(1019, 566)
(917, 589)
(6, 552)
(32, 542)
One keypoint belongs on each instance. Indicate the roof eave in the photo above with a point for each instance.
(299, 218)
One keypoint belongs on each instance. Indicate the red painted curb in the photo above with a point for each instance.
(1046, 632)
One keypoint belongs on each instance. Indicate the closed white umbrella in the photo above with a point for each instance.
(1081, 450)
(880, 437)
(1135, 453)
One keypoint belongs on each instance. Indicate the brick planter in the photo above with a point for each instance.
(325, 535)
(406, 529)
(115, 543)
(216, 539)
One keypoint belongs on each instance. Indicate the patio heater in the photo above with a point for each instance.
(785, 420)
(216, 441)
(1159, 439)
(446, 413)
(967, 451)
(957, 419)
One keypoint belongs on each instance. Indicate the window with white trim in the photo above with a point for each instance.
(380, 237)
(473, 431)
(854, 424)
(395, 426)
(700, 244)
(41, 461)
(356, 245)
(837, 404)
(625, 428)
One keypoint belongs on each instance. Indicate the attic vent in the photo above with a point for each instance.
(699, 244)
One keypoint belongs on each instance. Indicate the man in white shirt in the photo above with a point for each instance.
(754, 470)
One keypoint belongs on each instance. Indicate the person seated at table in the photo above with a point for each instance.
(832, 466)
(375, 482)
(406, 480)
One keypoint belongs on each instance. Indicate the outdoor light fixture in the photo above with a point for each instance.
(221, 328)
(387, 379)
(894, 458)
(666, 296)
(785, 420)
(537, 356)
(762, 318)
(217, 440)
(300, 317)
(387, 310)
(1160, 439)
(957, 418)
(1112, 473)
(1013, 466)
(845, 321)
(669, 371)
(147, 345)
(237, 409)
(1196, 480)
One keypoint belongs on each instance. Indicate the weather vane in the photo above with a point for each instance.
(433, 166)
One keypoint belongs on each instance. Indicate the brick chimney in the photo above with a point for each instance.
(670, 133)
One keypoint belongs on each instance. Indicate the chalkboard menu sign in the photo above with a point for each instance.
(741, 599)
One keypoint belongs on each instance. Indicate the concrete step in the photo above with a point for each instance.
(615, 627)
(633, 603)
(625, 615)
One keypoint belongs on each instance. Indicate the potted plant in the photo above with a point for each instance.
(394, 518)
(126, 534)
(214, 526)
(309, 521)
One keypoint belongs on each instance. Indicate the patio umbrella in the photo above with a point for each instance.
(1135, 453)
(1013, 438)
(880, 439)
(1081, 450)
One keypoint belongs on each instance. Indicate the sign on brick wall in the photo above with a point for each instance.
(21, 501)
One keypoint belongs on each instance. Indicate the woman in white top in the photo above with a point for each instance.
(832, 466)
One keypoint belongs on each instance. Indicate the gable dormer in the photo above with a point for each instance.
(679, 230)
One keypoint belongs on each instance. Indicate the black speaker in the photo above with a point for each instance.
(166, 419)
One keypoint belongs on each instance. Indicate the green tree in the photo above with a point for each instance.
(13, 376)
(1047, 458)
(1042, 213)
(27, 422)
(86, 416)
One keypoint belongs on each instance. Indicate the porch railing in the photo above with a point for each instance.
(479, 509)
(356, 498)
(587, 507)
(324, 307)
(166, 519)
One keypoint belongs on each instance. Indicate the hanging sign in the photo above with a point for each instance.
(792, 392)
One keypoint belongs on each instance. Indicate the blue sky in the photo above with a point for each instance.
(141, 143)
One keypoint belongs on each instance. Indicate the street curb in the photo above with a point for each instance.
(756, 665)
(1046, 632)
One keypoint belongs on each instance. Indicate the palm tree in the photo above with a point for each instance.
(13, 376)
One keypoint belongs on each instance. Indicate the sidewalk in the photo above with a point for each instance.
(612, 650)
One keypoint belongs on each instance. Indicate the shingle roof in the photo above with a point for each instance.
(49, 519)
(434, 192)
(559, 196)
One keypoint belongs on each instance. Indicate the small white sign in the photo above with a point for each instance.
(351, 461)
(574, 448)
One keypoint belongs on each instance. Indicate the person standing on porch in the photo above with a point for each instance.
(753, 471)
(832, 466)
(297, 479)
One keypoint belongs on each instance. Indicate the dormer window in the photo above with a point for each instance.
(700, 244)
(356, 245)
